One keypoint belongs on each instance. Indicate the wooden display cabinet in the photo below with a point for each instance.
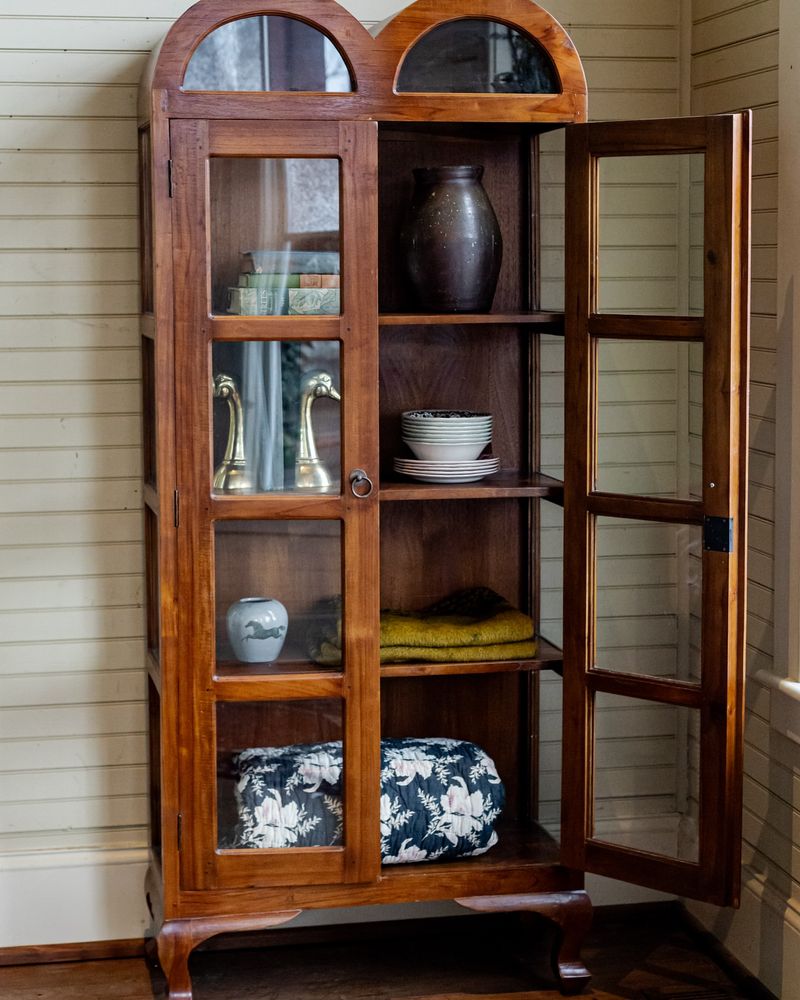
(293, 131)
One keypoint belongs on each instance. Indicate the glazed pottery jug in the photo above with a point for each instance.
(257, 629)
(451, 240)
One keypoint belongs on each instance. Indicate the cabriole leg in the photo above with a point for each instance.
(178, 938)
(571, 912)
(175, 944)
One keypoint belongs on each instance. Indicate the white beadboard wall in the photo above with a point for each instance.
(72, 720)
(633, 66)
(735, 64)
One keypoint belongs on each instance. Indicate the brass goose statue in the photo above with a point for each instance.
(310, 471)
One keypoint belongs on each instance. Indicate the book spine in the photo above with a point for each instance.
(318, 281)
(258, 301)
(313, 301)
(269, 280)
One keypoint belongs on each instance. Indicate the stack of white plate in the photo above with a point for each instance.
(447, 472)
(447, 444)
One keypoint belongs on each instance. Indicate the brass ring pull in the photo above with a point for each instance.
(360, 484)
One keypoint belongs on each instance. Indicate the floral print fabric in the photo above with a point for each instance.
(439, 798)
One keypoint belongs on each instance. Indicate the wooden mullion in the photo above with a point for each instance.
(274, 687)
(646, 508)
(237, 328)
(552, 321)
(633, 327)
(662, 690)
(264, 506)
(678, 878)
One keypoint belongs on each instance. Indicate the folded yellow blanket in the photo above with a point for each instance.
(468, 626)
(330, 655)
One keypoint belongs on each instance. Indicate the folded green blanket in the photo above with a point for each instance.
(468, 626)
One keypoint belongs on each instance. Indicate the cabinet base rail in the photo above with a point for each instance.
(571, 912)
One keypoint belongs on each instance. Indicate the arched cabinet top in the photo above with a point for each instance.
(382, 84)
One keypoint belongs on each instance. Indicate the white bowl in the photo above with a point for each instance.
(445, 415)
(448, 442)
(464, 452)
(445, 438)
(446, 424)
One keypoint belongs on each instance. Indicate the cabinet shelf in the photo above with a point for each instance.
(233, 680)
(276, 681)
(553, 322)
(502, 485)
(519, 847)
(548, 657)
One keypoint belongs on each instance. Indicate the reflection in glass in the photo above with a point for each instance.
(649, 417)
(267, 53)
(477, 56)
(283, 580)
(651, 234)
(277, 416)
(275, 236)
(647, 778)
(280, 774)
(649, 598)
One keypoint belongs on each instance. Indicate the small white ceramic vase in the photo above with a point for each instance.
(257, 629)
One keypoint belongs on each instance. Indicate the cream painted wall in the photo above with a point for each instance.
(72, 721)
(745, 54)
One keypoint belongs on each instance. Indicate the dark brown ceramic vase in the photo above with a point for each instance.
(451, 240)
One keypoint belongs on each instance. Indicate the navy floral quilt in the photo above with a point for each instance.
(439, 798)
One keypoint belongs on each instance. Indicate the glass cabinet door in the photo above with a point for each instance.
(655, 501)
(277, 518)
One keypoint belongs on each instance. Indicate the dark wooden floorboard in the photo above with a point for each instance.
(639, 955)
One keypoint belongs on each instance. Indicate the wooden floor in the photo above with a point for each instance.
(644, 954)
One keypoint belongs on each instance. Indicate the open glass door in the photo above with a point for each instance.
(657, 239)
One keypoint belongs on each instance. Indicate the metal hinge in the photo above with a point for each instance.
(180, 831)
(170, 180)
(176, 508)
(718, 534)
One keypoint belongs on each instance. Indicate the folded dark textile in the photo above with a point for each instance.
(470, 625)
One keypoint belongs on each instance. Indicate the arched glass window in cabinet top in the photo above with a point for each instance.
(477, 56)
(267, 53)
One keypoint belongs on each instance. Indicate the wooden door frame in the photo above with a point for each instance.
(723, 329)
(193, 142)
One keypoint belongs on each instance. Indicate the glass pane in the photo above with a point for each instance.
(551, 628)
(149, 463)
(275, 236)
(551, 209)
(651, 234)
(279, 774)
(277, 416)
(650, 418)
(646, 776)
(477, 56)
(551, 405)
(278, 603)
(649, 597)
(267, 53)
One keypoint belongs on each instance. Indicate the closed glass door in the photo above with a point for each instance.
(277, 517)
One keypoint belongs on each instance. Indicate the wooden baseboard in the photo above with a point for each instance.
(79, 951)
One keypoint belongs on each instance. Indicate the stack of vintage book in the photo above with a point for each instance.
(281, 282)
